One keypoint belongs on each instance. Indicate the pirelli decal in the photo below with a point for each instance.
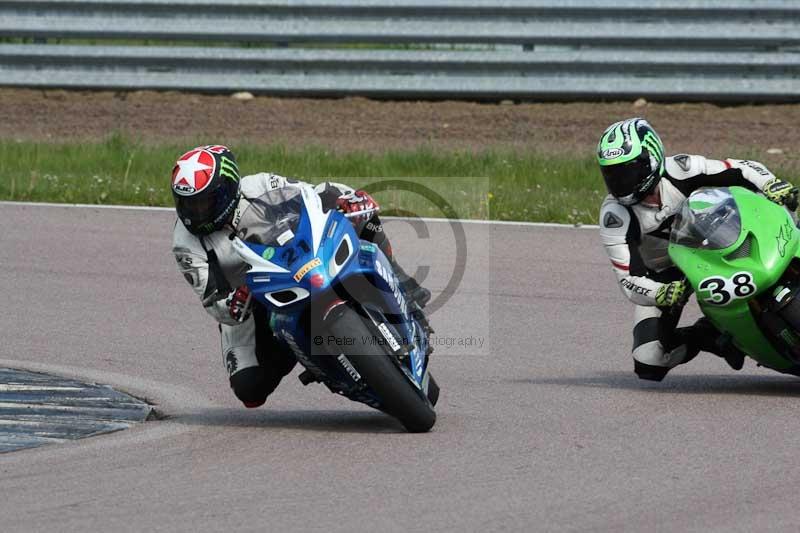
(305, 269)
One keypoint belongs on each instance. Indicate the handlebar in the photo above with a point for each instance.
(793, 203)
(362, 213)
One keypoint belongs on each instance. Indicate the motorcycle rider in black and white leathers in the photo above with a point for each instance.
(210, 198)
(646, 190)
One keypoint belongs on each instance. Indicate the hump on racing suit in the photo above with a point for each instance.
(636, 237)
(210, 264)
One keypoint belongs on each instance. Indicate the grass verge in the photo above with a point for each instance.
(489, 185)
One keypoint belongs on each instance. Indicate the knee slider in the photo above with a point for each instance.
(649, 372)
(250, 386)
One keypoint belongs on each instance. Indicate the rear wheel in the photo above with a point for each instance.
(373, 361)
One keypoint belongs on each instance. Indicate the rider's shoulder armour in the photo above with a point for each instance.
(615, 218)
(683, 166)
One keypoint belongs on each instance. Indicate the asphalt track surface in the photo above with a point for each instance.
(542, 428)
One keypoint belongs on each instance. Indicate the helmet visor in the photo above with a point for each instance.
(198, 209)
(624, 181)
(202, 209)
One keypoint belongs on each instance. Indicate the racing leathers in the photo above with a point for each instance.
(254, 359)
(636, 239)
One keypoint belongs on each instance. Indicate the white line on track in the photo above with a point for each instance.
(423, 219)
(29, 388)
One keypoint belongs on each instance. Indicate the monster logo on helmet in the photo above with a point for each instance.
(228, 168)
(631, 158)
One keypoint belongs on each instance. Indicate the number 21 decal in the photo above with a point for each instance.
(720, 291)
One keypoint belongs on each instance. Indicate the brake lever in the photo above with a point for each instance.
(362, 213)
(793, 203)
(689, 291)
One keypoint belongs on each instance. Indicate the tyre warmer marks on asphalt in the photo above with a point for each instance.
(37, 409)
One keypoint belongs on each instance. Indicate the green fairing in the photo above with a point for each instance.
(775, 242)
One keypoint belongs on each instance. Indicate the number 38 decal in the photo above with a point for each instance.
(720, 291)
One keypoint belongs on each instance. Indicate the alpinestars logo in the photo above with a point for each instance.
(784, 237)
(193, 172)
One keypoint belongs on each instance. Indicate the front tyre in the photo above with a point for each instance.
(373, 361)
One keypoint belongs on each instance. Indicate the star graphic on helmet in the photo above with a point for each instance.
(188, 169)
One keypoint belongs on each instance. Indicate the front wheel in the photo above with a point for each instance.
(399, 397)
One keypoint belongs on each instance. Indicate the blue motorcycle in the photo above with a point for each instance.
(336, 303)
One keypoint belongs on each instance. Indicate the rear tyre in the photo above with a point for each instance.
(373, 361)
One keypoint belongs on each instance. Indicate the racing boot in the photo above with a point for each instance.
(703, 336)
(732, 355)
(416, 292)
(372, 231)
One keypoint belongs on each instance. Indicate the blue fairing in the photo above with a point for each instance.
(308, 277)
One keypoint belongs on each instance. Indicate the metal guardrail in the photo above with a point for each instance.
(736, 50)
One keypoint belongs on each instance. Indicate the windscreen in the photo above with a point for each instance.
(708, 219)
(272, 218)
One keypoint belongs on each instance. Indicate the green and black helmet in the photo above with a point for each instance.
(631, 158)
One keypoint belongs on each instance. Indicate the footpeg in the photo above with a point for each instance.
(419, 315)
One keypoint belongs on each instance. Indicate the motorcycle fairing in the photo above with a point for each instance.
(766, 244)
(324, 260)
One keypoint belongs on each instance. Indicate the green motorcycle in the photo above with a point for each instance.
(741, 255)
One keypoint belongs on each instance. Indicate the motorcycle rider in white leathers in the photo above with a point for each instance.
(210, 198)
(646, 190)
